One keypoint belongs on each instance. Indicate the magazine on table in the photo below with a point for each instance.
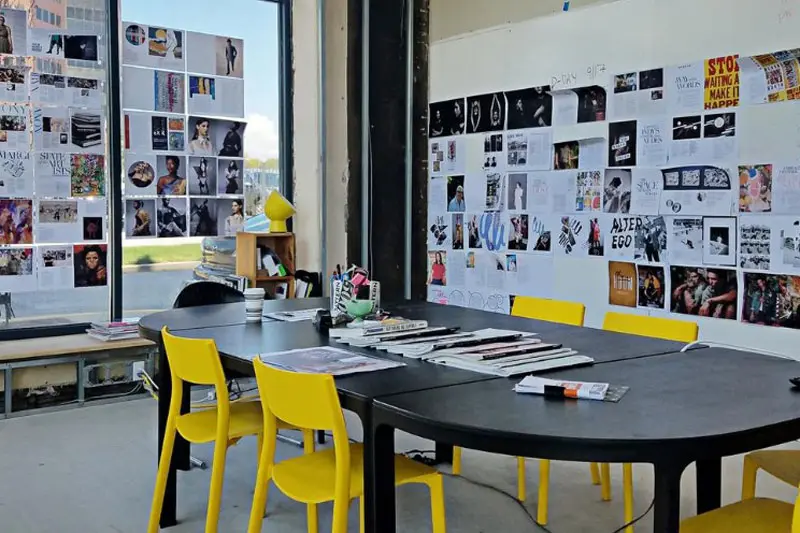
(294, 316)
(475, 338)
(412, 335)
(571, 389)
(326, 360)
(517, 364)
(375, 328)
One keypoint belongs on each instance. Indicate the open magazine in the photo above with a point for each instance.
(326, 360)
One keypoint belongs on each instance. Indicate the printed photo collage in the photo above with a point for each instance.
(184, 141)
(684, 225)
(53, 207)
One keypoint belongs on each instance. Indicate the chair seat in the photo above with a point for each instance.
(310, 478)
(783, 464)
(760, 515)
(246, 419)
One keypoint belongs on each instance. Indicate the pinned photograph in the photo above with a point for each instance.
(13, 31)
(651, 286)
(517, 150)
(617, 191)
(229, 181)
(541, 234)
(622, 144)
(473, 228)
(621, 284)
(437, 268)
(703, 292)
(446, 118)
(771, 300)
(685, 128)
(58, 211)
(202, 176)
(595, 241)
(87, 131)
(231, 217)
(90, 265)
(570, 234)
(650, 240)
(201, 136)
(492, 151)
(171, 175)
(719, 240)
(686, 240)
(203, 217)
(530, 108)
(589, 191)
(228, 138)
(651, 79)
(164, 43)
(80, 47)
(171, 218)
(486, 112)
(439, 231)
(518, 192)
(13, 87)
(88, 176)
(511, 262)
(755, 188)
(140, 218)
(719, 125)
(754, 245)
(495, 192)
(92, 228)
(591, 104)
(229, 57)
(141, 174)
(17, 263)
(455, 194)
(566, 155)
(518, 236)
(625, 83)
(458, 230)
(168, 93)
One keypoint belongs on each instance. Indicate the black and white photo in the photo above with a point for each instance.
(719, 125)
(530, 108)
(719, 240)
(202, 176)
(686, 240)
(517, 192)
(650, 240)
(617, 191)
(446, 118)
(622, 144)
(486, 112)
(686, 128)
(754, 245)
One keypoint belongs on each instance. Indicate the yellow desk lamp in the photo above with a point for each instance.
(278, 210)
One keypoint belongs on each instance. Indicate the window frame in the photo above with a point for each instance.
(115, 169)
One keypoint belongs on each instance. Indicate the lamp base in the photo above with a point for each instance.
(277, 226)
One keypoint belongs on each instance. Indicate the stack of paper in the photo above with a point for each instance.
(572, 389)
(326, 360)
(293, 316)
(114, 331)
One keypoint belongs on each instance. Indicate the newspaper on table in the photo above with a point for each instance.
(572, 389)
(294, 316)
(327, 360)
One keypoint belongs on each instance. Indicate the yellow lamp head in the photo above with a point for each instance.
(278, 210)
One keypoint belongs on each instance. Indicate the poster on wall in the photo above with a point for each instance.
(172, 217)
(530, 108)
(140, 218)
(15, 40)
(771, 300)
(216, 96)
(153, 46)
(721, 82)
(755, 243)
(53, 171)
(486, 112)
(140, 175)
(73, 220)
(49, 44)
(17, 221)
(697, 190)
(651, 286)
(704, 292)
(144, 132)
(16, 174)
(58, 90)
(446, 118)
(14, 84)
(90, 262)
(15, 127)
(622, 287)
(16, 270)
(55, 267)
(755, 188)
(638, 94)
(153, 90)
(215, 55)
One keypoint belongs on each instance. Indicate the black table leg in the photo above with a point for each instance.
(667, 516)
(444, 453)
(709, 484)
(180, 455)
(379, 487)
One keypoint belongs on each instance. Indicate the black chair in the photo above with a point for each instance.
(206, 293)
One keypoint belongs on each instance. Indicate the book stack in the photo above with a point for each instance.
(86, 130)
(114, 331)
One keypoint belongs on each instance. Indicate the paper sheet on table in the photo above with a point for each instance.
(685, 87)
(575, 389)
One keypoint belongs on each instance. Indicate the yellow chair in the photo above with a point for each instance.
(759, 515)
(562, 312)
(197, 361)
(310, 401)
(647, 326)
(783, 464)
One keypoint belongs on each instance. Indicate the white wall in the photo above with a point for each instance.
(624, 36)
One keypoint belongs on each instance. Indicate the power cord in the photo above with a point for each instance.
(637, 519)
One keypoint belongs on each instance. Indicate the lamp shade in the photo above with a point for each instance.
(278, 210)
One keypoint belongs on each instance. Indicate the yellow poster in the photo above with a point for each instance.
(722, 82)
(776, 85)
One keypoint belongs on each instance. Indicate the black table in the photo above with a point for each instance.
(238, 342)
(697, 406)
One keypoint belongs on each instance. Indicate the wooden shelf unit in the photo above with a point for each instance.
(282, 244)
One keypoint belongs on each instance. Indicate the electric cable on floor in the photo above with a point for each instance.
(637, 519)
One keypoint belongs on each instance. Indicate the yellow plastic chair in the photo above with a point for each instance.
(647, 326)
(310, 401)
(758, 515)
(197, 361)
(562, 312)
(783, 464)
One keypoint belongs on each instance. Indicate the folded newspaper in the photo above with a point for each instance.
(326, 360)
(572, 389)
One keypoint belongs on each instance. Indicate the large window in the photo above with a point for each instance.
(199, 96)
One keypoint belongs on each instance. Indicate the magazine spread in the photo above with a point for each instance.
(326, 360)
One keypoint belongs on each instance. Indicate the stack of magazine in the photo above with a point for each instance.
(114, 331)
(489, 351)
(327, 360)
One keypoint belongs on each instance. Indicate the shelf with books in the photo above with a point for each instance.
(267, 260)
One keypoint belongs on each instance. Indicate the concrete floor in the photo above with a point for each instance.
(91, 470)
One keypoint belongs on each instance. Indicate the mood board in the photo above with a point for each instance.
(638, 156)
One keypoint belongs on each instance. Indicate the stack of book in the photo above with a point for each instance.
(114, 331)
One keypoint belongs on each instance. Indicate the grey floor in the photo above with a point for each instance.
(92, 469)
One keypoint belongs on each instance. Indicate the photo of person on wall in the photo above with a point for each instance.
(704, 292)
(771, 300)
(90, 265)
(437, 270)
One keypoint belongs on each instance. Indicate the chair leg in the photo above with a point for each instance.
(264, 473)
(749, 474)
(605, 482)
(340, 511)
(215, 490)
(436, 486)
(595, 470)
(521, 489)
(161, 477)
(457, 460)
(312, 518)
(361, 526)
(627, 494)
(544, 491)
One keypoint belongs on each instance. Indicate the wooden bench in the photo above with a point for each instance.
(62, 352)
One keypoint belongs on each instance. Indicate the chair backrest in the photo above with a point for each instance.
(569, 313)
(651, 326)
(194, 360)
(206, 293)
